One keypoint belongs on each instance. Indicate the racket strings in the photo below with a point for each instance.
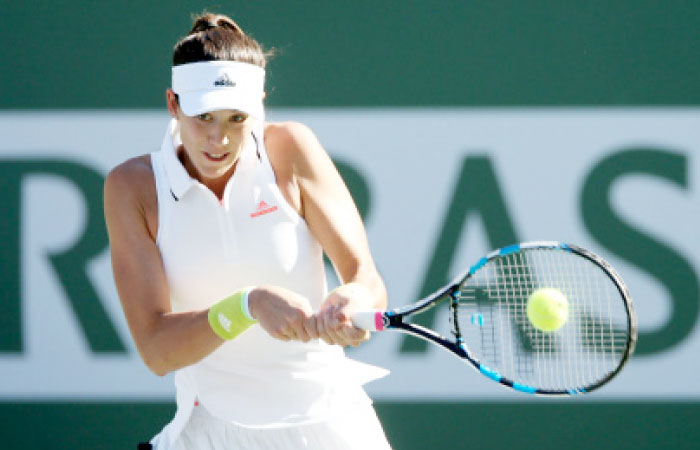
(491, 315)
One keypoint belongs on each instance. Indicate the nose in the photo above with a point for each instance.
(219, 137)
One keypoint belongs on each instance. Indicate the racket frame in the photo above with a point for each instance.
(394, 319)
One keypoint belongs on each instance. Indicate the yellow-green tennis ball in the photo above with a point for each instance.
(547, 309)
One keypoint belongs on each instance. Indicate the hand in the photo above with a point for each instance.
(334, 320)
(282, 313)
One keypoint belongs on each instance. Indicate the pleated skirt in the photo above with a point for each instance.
(356, 429)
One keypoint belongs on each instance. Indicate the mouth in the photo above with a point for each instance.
(216, 157)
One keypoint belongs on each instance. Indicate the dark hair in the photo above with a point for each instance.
(216, 37)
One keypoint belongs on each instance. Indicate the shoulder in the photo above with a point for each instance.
(130, 194)
(130, 177)
(288, 133)
(292, 145)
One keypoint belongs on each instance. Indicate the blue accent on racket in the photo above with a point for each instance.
(478, 265)
(524, 388)
(509, 249)
(495, 376)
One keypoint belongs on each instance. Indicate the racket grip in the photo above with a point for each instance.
(369, 320)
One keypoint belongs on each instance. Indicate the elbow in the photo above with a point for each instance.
(154, 355)
(158, 370)
(155, 363)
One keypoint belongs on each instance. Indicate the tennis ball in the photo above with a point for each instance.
(547, 309)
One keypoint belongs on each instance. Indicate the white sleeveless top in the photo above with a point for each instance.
(211, 249)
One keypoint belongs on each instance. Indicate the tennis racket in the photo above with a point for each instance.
(491, 330)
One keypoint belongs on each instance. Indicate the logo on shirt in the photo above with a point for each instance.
(263, 208)
(224, 80)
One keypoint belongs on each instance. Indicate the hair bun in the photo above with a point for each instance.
(208, 21)
(216, 37)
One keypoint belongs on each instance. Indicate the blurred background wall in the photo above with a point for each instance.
(459, 127)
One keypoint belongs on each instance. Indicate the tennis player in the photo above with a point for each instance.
(217, 242)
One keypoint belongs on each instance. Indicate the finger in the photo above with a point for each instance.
(335, 333)
(330, 316)
(287, 333)
(328, 327)
(353, 335)
(346, 336)
(345, 331)
(311, 327)
(325, 320)
(323, 326)
(359, 336)
(280, 336)
(320, 321)
(343, 315)
(300, 332)
(296, 324)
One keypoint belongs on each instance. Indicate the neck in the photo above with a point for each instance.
(215, 185)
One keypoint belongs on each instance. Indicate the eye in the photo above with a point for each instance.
(204, 117)
(239, 118)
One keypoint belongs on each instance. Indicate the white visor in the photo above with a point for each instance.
(214, 85)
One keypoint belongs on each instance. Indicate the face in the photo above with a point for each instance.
(212, 141)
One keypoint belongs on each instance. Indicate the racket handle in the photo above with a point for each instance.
(369, 320)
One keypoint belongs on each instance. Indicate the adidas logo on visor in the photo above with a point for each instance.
(224, 80)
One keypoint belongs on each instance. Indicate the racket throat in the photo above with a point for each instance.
(429, 335)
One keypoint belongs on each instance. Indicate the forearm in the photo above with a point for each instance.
(369, 278)
(177, 340)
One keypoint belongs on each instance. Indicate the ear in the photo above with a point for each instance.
(172, 102)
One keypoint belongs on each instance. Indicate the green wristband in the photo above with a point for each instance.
(229, 318)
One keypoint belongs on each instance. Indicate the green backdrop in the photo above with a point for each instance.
(115, 54)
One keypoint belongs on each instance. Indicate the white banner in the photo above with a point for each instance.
(621, 182)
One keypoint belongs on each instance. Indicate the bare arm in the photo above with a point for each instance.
(165, 340)
(169, 340)
(332, 217)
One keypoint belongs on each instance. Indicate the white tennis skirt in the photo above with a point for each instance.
(357, 429)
